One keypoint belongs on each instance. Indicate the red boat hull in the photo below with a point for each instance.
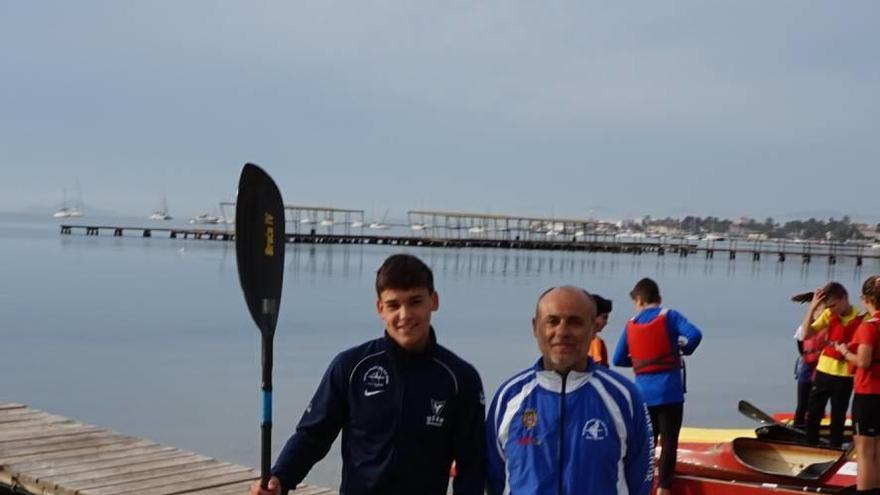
(752, 466)
(692, 485)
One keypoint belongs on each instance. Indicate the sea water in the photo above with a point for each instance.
(151, 336)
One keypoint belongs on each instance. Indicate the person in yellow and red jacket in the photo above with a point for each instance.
(834, 378)
(866, 404)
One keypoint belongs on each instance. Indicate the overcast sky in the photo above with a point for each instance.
(609, 109)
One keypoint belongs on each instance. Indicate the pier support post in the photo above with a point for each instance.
(781, 256)
(806, 258)
(858, 261)
(832, 259)
(732, 254)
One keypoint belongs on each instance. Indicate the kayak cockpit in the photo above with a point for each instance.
(804, 462)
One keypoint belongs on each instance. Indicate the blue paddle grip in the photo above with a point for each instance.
(267, 406)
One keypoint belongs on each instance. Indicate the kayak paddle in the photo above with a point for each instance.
(746, 408)
(259, 251)
(770, 428)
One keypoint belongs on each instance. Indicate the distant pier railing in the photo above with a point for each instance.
(781, 250)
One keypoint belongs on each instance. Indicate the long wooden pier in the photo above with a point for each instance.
(46, 454)
(779, 249)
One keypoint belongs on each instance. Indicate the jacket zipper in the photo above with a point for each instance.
(561, 434)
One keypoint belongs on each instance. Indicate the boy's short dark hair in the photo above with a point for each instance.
(403, 272)
(835, 290)
(647, 290)
(603, 306)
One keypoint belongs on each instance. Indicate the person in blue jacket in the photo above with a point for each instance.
(566, 426)
(407, 407)
(652, 343)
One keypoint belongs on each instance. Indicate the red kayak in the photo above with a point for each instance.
(747, 466)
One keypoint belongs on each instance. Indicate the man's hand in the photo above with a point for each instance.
(274, 487)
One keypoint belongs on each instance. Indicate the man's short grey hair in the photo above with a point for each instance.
(568, 287)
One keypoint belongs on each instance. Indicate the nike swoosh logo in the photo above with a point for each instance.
(368, 393)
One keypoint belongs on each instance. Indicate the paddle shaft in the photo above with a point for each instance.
(266, 423)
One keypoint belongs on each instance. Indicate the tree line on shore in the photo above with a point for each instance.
(812, 229)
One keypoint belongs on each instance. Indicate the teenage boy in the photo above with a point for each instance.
(407, 407)
(652, 343)
(834, 379)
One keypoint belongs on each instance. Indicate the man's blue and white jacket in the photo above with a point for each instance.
(587, 432)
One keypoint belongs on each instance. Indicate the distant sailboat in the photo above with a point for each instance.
(381, 225)
(67, 210)
(162, 212)
(205, 218)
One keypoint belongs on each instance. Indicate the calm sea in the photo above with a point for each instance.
(151, 337)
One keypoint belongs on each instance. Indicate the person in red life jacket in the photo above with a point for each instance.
(805, 367)
(866, 403)
(652, 343)
(598, 351)
(834, 378)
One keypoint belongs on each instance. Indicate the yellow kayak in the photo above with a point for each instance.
(713, 435)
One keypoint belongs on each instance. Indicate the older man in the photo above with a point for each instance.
(566, 425)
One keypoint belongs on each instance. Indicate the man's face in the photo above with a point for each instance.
(407, 315)
(564, 326)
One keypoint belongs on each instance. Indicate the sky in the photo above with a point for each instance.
(551, 108)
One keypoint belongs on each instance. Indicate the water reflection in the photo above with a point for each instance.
(348, 260)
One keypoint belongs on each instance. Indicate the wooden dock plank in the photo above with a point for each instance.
(239, 488)
(49, 431)
(242, 489)
(48, 447)
(25, 423)
(104, 452)
(47, 454)
(10, 415)
(181, 483)
(87, 465)
(128, 477)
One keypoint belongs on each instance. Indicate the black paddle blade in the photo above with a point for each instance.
(781, 432)
(746, 408)
(259, 245)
